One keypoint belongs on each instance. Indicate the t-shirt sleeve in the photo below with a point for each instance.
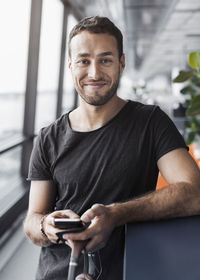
(39, 166)
(166, 135)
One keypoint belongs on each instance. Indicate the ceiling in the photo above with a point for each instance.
(158, 34)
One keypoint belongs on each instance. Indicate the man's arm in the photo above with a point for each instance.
(180, 198)
(41, 202)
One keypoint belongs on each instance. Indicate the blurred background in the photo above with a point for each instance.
(36, 87)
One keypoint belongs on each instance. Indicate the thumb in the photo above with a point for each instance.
(95, 210)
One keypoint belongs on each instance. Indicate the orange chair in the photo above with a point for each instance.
(162, 183)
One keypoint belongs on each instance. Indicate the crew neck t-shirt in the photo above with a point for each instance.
(114, 163)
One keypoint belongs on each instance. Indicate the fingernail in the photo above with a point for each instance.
(85, 219)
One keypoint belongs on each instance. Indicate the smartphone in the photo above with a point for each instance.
(66, 223)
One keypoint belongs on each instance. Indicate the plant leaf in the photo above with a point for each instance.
(188, 124)
(188, 89)
(195, 101)
(190, 138)
(194, 60)
(194, 108)
(135, 89)
(183, 76)
(193, 111)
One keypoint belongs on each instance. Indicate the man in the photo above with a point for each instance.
(100, 162)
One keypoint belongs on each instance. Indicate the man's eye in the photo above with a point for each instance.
(106, 61)
(83, 62)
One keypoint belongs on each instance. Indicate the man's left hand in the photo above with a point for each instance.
(99, 230)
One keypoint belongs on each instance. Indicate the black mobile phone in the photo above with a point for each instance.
(66, 223)
(69, 226)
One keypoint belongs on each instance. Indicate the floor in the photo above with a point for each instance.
(23, 262)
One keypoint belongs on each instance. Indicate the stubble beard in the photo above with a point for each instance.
(96, 99)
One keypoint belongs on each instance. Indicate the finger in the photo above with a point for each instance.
(52, 236)
(95, 210)
(94, 245)
(65, 213)
(80, 277)
(70, 243)
(98, 208)
(71, 214)
(67, 243)
(49, 220)
(84, 235)
(84, 277)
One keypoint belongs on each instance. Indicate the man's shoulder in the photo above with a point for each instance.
(59, 126)
(142, 109)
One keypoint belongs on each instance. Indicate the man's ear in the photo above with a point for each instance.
(69, 63)
(122, 63)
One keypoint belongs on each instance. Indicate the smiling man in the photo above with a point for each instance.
(100, 162)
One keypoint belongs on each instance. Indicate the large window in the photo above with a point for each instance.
(49, 61)
(68, 89)
(14, 34)
(9, 172)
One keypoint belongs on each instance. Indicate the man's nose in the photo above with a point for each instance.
(94, 71)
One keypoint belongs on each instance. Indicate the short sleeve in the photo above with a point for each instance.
(39, 167)
(166, 135)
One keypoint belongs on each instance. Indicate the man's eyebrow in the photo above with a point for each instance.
(105, 53)
(101, 54)
(83, 54)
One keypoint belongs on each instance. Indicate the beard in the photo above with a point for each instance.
(97, 99)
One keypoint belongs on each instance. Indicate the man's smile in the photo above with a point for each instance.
(95, 85)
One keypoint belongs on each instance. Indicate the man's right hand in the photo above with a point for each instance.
(49, 226)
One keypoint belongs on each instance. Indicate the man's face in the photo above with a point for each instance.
(95, 66)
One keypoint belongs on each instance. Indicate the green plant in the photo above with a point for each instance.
(192, 90)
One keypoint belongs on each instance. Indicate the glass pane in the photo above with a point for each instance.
(14, 34)
(50, 45)
(9, 171)
(68, 91)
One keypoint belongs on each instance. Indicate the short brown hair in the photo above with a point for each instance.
(97, 24)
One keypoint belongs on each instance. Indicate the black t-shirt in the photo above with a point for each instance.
(114, 163)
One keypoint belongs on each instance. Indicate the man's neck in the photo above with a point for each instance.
(88, 117)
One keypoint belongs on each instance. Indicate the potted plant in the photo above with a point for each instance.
(192, 91)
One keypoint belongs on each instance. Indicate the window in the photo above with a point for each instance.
(68, 91)
(14, 32)
(49, 61)
(9, 172)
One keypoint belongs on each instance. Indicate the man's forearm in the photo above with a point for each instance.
(32, 229)
(181, 199)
